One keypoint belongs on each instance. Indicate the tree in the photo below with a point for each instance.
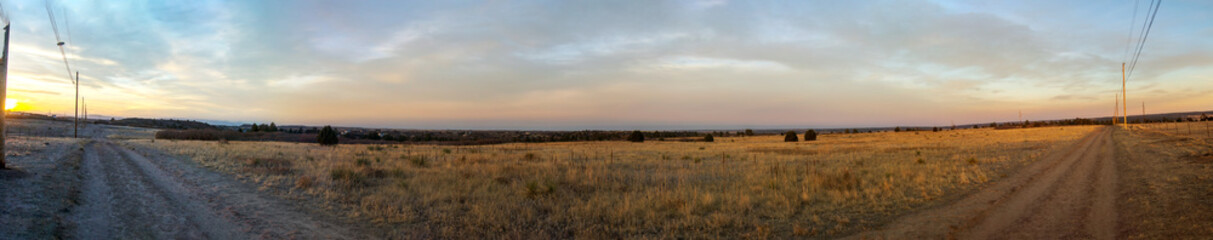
(636, 137)
(273, 127)
(254, 128)
(897, 129)
(810, 135)
(935, 129)
(709, 138)
(373, 135)
(327, 136)
(790, 136)
(749, 132)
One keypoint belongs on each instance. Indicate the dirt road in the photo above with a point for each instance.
(1068, 194)
(128, 195)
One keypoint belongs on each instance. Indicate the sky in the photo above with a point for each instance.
(570, 65)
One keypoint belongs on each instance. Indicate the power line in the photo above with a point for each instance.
(67, 25)
(1144, 34)
(1129, 40)
(55, 27)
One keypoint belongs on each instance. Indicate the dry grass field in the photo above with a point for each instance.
(1170, 193)
(753, 187)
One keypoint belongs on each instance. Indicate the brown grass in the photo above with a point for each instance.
(754, 187)
(1168, 181)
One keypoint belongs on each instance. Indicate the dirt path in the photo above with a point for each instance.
(127, 195)
(1067, 194)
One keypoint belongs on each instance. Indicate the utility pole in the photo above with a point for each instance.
(76, 121)
(1116, 109)
(1143, 111)
(1123, 92)
(3, 90)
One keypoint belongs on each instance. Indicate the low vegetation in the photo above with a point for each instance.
(737, 187)
(1166, 196)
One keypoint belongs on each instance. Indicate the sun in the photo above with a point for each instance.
(9, 104)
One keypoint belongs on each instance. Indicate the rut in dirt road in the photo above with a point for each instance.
(127, 195)
(1067, 194)
(126, 198)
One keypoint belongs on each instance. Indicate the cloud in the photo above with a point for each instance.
(532, 64)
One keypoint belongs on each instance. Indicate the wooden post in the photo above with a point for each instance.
(76, 118)
(3, 96)
(1124, 93)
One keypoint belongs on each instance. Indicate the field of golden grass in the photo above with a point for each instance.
(754, 187)
(1167, 193)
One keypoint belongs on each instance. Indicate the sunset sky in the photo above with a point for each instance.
(609, 64)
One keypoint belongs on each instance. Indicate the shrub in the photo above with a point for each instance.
(197, 134)
(897, 129)
(327, 136)
(790, 136)
(749, 132)
(636, 136)
(709, 138)
(810, 135)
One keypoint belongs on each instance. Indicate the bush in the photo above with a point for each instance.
(197, 134)
(709, 138)
(636, 136)
(749, 132)
(327, 136)
(810, 135)
(790, 136)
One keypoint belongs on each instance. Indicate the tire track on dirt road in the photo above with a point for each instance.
(127, 195)
(1069, 193)
(124, 198)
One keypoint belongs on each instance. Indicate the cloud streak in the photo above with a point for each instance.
(614, 64)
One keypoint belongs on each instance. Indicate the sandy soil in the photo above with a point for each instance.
(1069, 194)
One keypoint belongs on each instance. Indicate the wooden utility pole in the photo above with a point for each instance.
(3, 90)
(1123, 92)
(1116, 109)
(76, 121)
